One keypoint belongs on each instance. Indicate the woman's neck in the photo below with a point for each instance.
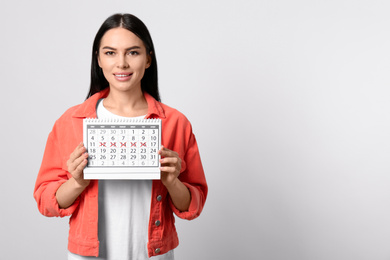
(126, 104)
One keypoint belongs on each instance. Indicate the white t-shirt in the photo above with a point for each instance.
(124, 210)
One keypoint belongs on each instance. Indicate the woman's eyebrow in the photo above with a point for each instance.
(114, 49)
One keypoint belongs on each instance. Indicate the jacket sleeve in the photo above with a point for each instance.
(193, 177)
(51, 176)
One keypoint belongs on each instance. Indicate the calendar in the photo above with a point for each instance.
(122, 148)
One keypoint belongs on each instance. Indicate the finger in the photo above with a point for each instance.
(168, 169)
(78, 171)
(161, 149)
(80, 149)
(76, 162)
(164, 149)
(170, 160)
(165, 152)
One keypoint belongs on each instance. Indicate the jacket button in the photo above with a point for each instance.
(159, 198)
(157, 223)
(157, 250)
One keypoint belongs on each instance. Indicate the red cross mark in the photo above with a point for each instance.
(102, 144)
(143, 144)
(113, 144)
(133, 144)
(123, 144)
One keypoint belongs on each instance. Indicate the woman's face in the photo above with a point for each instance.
(123, 59)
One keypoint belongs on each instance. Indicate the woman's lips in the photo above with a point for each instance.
(122, 76)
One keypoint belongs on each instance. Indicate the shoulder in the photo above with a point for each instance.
(70, 120)
(68, 114)
(163, 111)
(172, 114)
(86, 109)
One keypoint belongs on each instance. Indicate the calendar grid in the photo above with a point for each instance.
(113, 146)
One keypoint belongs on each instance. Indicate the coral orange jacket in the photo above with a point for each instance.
(67, 133)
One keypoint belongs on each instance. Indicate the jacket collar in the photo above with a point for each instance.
(88, 108)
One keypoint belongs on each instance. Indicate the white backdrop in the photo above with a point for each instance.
(289, 101)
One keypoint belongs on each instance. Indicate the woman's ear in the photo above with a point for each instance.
(98, 58)
(149, 60)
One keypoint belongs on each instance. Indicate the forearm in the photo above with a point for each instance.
(68, 192)
(180, 195)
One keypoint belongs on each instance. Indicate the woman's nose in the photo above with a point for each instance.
(122, 62)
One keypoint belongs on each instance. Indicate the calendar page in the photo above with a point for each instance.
(122, 148)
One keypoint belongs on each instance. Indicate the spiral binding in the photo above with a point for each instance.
(121, 120)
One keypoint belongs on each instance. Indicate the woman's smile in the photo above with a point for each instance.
(123, 76)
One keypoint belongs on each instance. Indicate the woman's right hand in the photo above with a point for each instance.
(68, 192)
(76, 164)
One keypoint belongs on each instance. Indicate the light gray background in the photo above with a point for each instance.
(289, 101)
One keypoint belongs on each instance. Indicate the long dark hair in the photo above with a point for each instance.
(149, 83)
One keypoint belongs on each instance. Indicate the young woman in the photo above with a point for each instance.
(121, 219)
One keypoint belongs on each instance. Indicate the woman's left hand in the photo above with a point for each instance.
(170, 171)
(170, 166)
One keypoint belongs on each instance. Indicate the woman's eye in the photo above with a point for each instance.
(132, 53)
(109, 53)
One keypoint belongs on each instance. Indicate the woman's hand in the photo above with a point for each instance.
(170, 171)
(76, 164)
(68, 192)
(170, 166)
